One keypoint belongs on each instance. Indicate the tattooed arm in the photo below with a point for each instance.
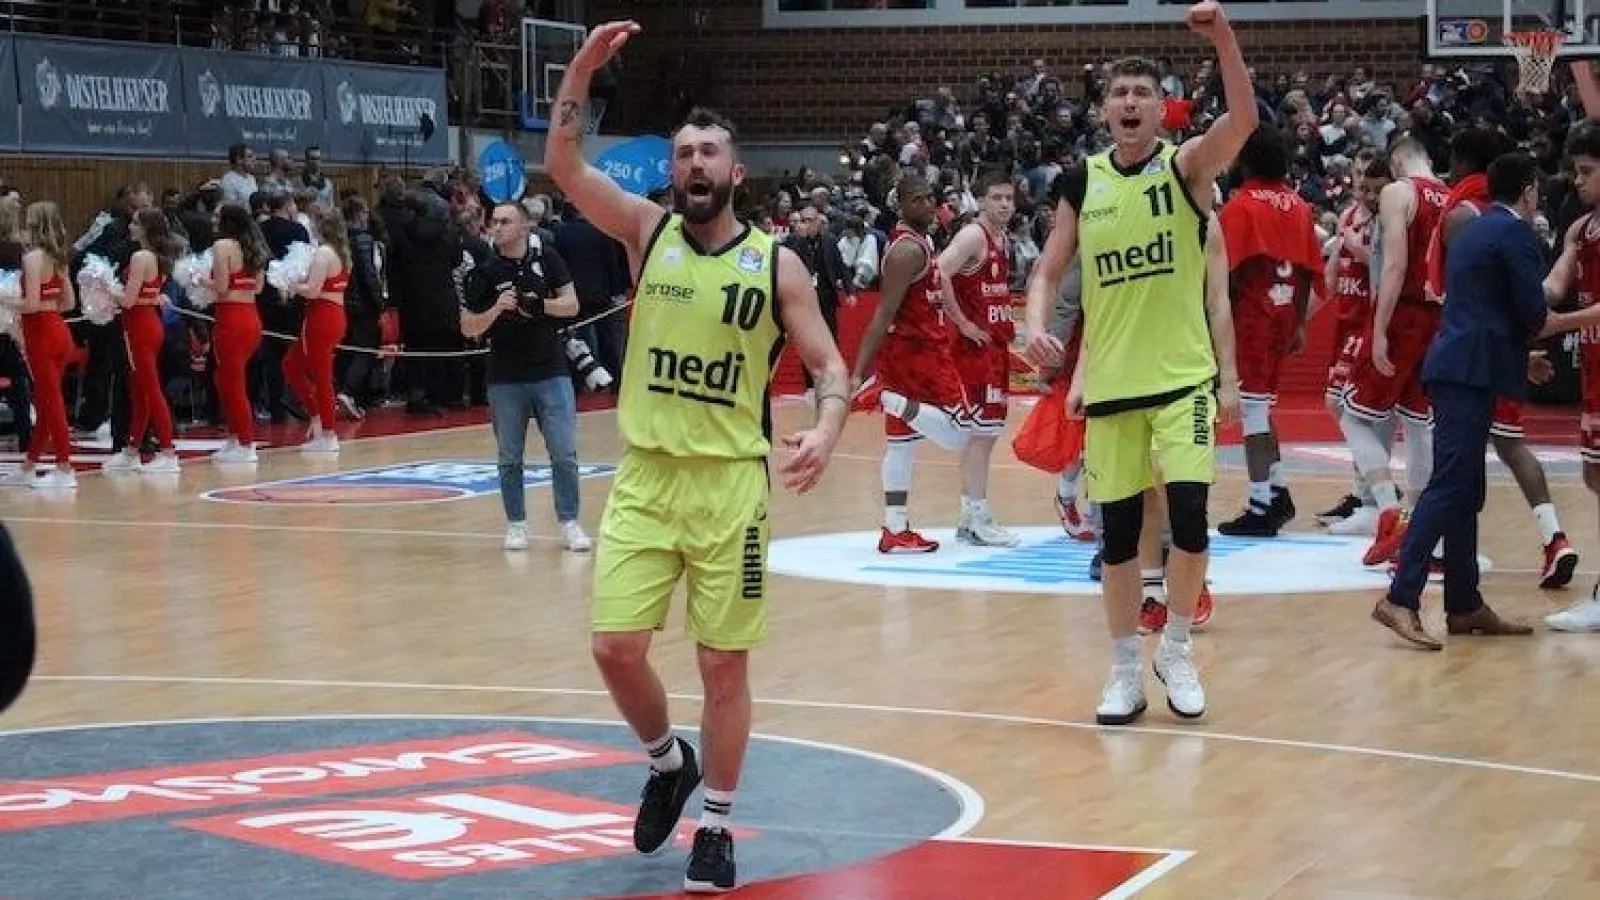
(630, 219)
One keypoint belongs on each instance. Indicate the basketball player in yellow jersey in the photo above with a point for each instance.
(715, 300)
(1136, 217)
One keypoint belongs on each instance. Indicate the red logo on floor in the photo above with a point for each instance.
(214, 784)
(444, 834)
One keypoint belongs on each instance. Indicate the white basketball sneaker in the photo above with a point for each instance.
(125, 460)
(577, 541)
(1122, 702)
(1582, 616)
(517, 536)
(1361, 523)
(1176, 668)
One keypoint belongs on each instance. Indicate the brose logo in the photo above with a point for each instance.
(668, 291)
(95, 798)
(1138, 261)
(691, 377)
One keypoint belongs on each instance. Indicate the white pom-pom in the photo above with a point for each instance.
(292, 269)
(10, 287)
(191, 272)
(97, 282)
(8, 318)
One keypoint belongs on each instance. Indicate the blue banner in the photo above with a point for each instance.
(386, 114)
(99, 97)
(244, 98)
(10, 133)
(641, 165)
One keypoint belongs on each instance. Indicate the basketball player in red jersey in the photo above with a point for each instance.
(920, 390)
(978, 260)
(1274, 260)
(1471, 152)
(1349, 287)
(1388, 378)
(1579, 265)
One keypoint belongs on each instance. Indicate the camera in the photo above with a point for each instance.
(595, 377)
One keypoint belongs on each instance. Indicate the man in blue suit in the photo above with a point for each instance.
(1494, 281)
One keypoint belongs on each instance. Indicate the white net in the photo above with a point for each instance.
(1535, 52)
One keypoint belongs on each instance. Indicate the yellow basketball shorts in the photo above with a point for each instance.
(704, 520)
(1122, 450)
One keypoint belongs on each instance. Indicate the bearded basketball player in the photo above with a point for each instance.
(1349, 287)
(1388, 377)
(978, 260)
(1471, 152)
(909, 338)
(1137, 214)
(715, 301)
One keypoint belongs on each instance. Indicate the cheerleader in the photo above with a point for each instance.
(308, 367)
(141, 300)
(46, 294)
(239, 259)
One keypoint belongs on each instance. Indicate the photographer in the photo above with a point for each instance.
(520, 299)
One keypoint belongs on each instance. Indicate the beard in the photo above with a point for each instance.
(700, 210)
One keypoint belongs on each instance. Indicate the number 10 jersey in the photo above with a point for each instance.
(704, 337)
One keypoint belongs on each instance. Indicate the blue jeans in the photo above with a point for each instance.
(553, 406)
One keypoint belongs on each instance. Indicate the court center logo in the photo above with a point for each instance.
(1046, 561)
(423, 481)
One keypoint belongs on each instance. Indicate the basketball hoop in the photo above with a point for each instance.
(1535, 52)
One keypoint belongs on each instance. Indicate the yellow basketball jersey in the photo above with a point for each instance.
(704, 338)
(1141, 245)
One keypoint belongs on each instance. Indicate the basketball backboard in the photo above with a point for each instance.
(1467, 29)
(547, 47)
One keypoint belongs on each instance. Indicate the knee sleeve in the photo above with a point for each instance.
(898, 459)
(1186, 507)
(1121, 522)
(1257, 416)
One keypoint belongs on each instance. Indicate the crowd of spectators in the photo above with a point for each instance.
(1038, 122)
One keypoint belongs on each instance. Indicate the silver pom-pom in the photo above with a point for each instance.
(292, 269)
(97, 287)
(191, 272)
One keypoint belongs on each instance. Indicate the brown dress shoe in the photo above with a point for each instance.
(1405, 623)
(1485, 621)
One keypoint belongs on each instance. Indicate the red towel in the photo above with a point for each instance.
(1472, 189)
(1267, 218)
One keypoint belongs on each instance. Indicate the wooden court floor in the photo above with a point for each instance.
(1332, 763)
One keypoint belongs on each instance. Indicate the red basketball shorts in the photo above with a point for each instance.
(923, 371)
(1349, 342)
(1372, 394)
(1507, 422)
(1262, 334)
(986, 380)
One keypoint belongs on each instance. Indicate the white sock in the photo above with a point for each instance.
(931, 422)
(1155, 584)
(665, 753)
(1549, 524)
(718, 807)
(977, 507)
(1361, 489)
(1386, 495)
(1067, 482)
(897, 461)
(1276, 477)
(896, 519)
(1125, 651)
(1177, 628)
(1261, 494)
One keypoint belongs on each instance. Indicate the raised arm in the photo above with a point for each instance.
(1588, 90)
(1203, 158)
(627, 218)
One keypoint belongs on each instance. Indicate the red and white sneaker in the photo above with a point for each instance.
(1072, 521)
(1203, 607)
(907, 541)
(1390, 535)
(867, 396)
(1152, 616)
(1560, 561)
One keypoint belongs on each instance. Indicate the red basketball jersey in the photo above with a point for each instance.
(984, 289)
(1431, 195)
(1588, 277)
(921, 314)
(1352, 284)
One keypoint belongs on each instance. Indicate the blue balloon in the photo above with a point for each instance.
(502, 173)
(640, 166)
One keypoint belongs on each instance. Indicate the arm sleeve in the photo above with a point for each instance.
(555, 269)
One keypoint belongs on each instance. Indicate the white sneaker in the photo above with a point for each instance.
(1582, 616)
(517, 536)
(163, 463)
(326, 442)
(125, 460)
(1362, 523)
(1175, 667)
(1122, 702)
(983, 532)
(577, 541)
(57, 480)
(235, 454)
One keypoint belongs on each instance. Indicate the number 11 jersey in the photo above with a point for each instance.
(704, 337)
